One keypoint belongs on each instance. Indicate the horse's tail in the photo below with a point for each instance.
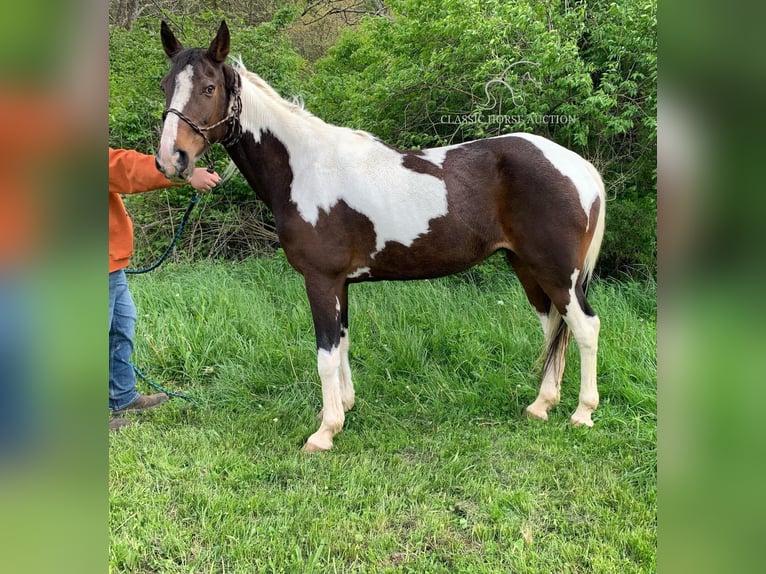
(598, 235)
(558, 334)
(556, 340)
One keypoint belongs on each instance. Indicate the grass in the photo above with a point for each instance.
(435, 470)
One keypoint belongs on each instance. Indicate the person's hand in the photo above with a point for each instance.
(203, 180)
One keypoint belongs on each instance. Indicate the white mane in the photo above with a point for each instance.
(295, 105)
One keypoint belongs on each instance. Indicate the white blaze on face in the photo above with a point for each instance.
(170, 129)
(570, 165)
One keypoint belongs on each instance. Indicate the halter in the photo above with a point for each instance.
(234, 131)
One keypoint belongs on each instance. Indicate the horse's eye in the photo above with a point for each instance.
(209, 90)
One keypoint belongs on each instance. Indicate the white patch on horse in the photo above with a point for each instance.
(437, 155)
(359, 272)
(585, 329)
(332, 164)
(570, 165)
(333, 415)
(544, 321)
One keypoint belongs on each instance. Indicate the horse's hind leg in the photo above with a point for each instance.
(585, 326)
(553, 366)
(553, 369)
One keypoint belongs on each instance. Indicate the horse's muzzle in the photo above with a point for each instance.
(177, 168)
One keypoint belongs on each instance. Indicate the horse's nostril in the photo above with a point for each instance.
(183, 159)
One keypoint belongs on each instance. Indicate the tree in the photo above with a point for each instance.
(124, 12)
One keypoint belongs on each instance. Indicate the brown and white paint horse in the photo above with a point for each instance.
(349, 208)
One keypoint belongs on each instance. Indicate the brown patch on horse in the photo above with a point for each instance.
(416, 163)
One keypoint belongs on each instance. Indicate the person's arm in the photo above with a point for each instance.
(134, 172)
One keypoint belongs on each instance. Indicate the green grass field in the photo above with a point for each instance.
(436, 470)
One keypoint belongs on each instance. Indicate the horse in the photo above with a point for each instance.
(350, 208)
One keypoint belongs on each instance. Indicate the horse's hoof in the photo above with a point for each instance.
(315, 445)
(536, 414)
(581, 420)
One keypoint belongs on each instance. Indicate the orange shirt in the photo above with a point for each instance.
(129, 172)
(35, 124)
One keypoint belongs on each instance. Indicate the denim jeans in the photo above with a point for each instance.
(122, 322)
(18, 407)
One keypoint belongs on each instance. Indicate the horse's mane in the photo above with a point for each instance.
(295, 105)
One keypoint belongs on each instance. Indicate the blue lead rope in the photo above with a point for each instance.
(169, 250)
(161, 388)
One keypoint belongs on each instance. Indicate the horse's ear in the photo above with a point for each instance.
(219, 47)
(169, 42)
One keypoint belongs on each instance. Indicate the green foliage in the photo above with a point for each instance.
(136, 66)
(630, 239)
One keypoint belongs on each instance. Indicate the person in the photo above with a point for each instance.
(131, 172)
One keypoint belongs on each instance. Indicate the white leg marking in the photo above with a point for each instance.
(328, 365)
(544, 320)
(585, 330)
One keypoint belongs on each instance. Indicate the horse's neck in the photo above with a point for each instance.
(265, 165)
(272, 130)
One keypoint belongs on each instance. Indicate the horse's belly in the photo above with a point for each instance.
(396, 261)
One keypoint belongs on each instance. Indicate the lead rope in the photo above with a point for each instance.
(173, 243)
(162, 389)
(153, 266)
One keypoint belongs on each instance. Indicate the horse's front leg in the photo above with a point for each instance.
(324, 298)
(347, 394)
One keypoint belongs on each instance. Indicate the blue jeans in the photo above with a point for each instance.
(122, 323)
(18, 407)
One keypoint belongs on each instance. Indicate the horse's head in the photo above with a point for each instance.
(199, 92)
